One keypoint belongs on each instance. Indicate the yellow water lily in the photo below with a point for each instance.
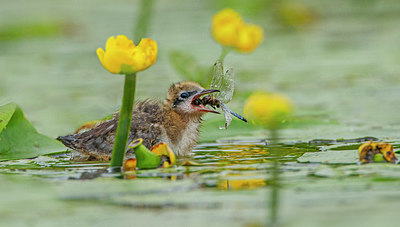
(268, 110)
(250, 36)
(369, 150)
(121, 56)
(225, 26)
(229, 29)
(130, 165)
(162, 149)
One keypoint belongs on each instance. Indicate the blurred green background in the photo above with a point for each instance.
(337, 60)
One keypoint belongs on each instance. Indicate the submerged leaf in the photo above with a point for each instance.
(19, 139)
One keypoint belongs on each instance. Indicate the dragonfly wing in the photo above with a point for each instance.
(227, 114)
(218, 76)
(227, 87)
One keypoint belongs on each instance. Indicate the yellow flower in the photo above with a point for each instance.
(268, 110)
(123, 57)
(250, 36)
(369, 152)
(229, 29)
(295, 14)
(225, 27)
(162, 149)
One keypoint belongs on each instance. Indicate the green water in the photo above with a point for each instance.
(230, 186)
(341, 71)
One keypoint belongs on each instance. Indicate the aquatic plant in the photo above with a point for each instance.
(270, 111)
(229, 29)
(121, 56)
(267, 110)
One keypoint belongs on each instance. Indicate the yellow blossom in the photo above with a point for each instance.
(130, 165)
(225, 27)
(229, 29)
(268, 110)
(162, 149)
(123, 57)
(250, 36)
(295, 14)
(370, 151)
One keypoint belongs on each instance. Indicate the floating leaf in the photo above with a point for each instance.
(330, 157)
(19, 139)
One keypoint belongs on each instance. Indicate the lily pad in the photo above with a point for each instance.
(330, 157)
(19, 139)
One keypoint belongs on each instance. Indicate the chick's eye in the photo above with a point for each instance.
(184, 95)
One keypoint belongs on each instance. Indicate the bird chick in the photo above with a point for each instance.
(176, 121)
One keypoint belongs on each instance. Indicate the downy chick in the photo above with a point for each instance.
(176, 122)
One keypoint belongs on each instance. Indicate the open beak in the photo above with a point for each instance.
(201, 107)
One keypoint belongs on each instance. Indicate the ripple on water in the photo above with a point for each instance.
(223, 164)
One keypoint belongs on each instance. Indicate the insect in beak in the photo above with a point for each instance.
(197, 104)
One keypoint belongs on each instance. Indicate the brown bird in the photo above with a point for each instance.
(176, 121)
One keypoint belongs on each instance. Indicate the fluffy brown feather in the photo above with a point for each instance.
(153, 121)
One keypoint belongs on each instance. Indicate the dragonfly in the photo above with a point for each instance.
(225, 83)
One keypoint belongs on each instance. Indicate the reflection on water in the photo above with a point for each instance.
(223, 168)
(234, 184)
(229, 164)
(225, 164)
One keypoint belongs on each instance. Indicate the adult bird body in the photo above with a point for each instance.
(176, 121)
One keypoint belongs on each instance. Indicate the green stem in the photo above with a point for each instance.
(124, 122)
(274, 197)
(274, 137)
(143, 20)
(224, 52)
(274, 194)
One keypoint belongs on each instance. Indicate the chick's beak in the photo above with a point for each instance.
(201, 107)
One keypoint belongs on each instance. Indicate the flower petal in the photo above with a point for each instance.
(100, 54)
(145, 54)
(225, 27)
(250, 37)
(268, 110)
(123, 57)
